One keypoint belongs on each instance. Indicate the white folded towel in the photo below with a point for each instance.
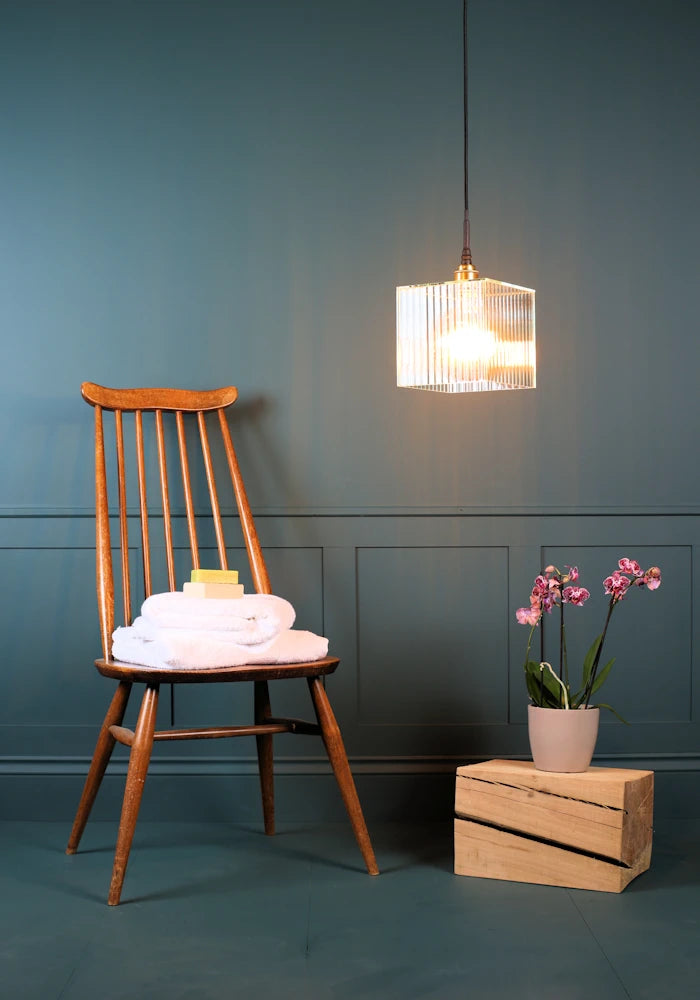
(169, 648)
(250, 619)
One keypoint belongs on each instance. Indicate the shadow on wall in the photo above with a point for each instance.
(267, 470)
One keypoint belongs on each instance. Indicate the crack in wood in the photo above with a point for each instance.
(543, 840)
(542, 791)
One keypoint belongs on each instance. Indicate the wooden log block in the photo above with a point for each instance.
(587, 831)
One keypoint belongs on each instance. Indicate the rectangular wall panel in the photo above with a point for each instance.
(50, 639)
(432, 635)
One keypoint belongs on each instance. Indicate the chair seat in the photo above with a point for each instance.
(186, 675)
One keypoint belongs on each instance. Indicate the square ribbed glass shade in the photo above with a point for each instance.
(465, 336)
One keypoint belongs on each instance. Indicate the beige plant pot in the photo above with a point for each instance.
(562, 739)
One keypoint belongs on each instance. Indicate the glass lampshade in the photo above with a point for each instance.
(465, 336)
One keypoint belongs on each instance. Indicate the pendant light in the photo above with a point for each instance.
(471, 334)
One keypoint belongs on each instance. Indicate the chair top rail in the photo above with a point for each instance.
(187, 400)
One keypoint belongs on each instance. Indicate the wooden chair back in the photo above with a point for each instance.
(180, 406)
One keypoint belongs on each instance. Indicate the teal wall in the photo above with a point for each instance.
(203, 192)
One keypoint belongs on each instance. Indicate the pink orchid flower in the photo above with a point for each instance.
(549, 601)
(528, 616)
(617, 585)
(652, 578)
(575, 595)
(545, 593)
(630, 566)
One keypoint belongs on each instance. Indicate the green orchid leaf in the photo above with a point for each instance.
(540, 701)
(590, 659)
(549, 682)
(540, 696)
(533, 685)
(543, 695)
(532, 672)
(551, 700)
(602, 675)
(546, 701)
(611, 709)
(533, 689)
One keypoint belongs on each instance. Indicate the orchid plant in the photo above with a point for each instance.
(546, 687)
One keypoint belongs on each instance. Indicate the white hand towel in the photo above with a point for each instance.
(147, 629)
(169, 648)
(252, 618)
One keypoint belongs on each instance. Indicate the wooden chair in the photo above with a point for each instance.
(181, 406)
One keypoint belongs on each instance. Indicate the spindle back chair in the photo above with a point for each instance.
(181, 406)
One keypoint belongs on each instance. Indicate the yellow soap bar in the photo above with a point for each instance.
(214, 576)
(227, 591)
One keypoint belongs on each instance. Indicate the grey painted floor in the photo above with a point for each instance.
(217, 911)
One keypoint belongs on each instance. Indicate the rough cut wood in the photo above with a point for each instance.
(487, 852)
(591, 830)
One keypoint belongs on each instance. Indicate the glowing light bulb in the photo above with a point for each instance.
(470, 344)
(465, 336)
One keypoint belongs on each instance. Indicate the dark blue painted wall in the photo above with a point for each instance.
(197, 192)
(202, 192)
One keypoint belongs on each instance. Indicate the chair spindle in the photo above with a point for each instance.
(123, 523)
(165, 497)
(189, 506)
(105, 584)
(211, 483)
(143, 505)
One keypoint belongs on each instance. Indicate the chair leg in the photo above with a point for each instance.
(265, 757)
(100, 759)
(339, 762)
(135, 779)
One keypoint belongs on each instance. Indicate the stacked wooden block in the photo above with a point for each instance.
(214, 583)
(586, 831)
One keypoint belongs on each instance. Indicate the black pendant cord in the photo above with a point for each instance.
(466, 247)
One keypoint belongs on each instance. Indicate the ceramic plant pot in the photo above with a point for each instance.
(562, 740)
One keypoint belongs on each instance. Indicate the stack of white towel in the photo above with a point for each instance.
(175, 630)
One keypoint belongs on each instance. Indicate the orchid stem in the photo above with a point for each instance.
(594, 671)
(561, 641)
